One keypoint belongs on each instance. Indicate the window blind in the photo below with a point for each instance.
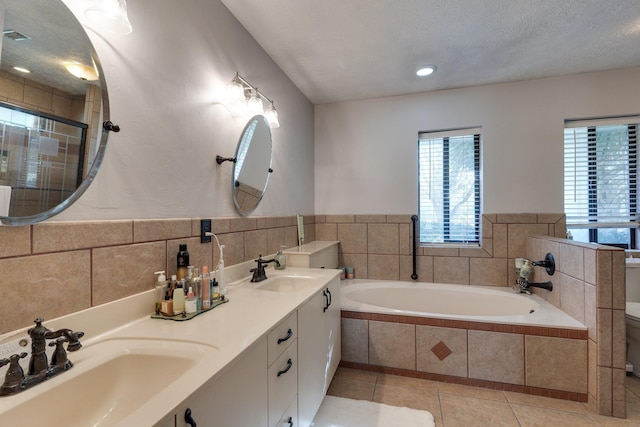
(449, 187)
(600, 174)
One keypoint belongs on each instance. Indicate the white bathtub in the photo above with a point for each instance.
(454, 302)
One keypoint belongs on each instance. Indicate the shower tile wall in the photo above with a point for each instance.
(56, 268)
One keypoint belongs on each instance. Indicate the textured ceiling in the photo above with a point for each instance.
(337, 50)
(55, 37)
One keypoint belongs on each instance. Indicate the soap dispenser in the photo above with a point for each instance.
(281, 259)
(161, 289)
(182, 262)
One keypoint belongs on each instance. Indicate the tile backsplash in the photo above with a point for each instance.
(56, 268)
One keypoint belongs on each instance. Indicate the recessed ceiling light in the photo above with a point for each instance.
(426, 71)
(22, 70)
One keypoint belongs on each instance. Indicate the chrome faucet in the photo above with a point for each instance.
(258, 273)
(39, 367)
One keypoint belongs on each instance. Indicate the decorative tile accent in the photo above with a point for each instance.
(441, 350)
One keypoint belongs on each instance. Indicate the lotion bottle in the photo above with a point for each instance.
(205, 284)
(178, 298)
(161, 289)
(191, 305)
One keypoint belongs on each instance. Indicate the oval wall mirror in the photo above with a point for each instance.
(253, 165)
(51, 137)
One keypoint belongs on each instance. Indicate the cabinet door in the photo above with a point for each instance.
(318, 349)
(238, 398)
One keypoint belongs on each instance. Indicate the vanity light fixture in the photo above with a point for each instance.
(243, 98)
(425, 71)
(109, 15)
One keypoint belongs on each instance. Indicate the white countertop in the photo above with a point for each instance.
(231, 328)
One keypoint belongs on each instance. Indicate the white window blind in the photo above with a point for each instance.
(600, 170)
(449, 194)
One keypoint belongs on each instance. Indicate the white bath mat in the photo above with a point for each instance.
(342, 412)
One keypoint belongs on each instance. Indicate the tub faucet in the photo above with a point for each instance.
(39, 367)
(258, 273)
(525, 284)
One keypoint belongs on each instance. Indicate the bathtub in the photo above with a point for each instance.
(455, 302)
(478, 336)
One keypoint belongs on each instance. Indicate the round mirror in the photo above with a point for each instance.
(253, 165)
(53, 101)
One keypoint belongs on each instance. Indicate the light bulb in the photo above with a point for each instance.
(254, 104)
(272, 116)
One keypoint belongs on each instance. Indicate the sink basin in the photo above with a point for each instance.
(109, 380)
(286, 283)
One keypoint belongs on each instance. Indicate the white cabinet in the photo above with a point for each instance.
(318, 349)
(237, 398)
(283, 372)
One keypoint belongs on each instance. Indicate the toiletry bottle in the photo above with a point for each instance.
(196, 284)
(281, 258)
(161, 289)
(167, 305)
(205, 285)
(190, 305)
(178, 298)
(215, 290)
(182, 261)
(173, 283)
(223, 289)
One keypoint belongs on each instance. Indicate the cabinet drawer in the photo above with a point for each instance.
(290, 416)
(280, 339)
(283, 382)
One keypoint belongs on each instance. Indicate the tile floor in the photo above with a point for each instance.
(454, 405)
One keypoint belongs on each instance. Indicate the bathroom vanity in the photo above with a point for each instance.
(266, 358)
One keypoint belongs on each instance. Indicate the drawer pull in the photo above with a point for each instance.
(290, 421)
(285, 370)
(188, 418)
(326, 298)
(329, 293)
(289, 335)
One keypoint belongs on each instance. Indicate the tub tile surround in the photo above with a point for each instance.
(588, 285)
(542, 361)
(71, 266)
(379, 247)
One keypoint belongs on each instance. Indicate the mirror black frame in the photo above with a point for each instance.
(234, 181)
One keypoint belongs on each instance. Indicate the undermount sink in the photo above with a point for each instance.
(290, 283)
(109, 380)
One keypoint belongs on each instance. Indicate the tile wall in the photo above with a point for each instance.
(589, 285)
(535, 360)
(379, 247)
(56, 268)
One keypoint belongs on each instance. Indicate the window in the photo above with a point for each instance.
(600, 186)
(449, 193)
